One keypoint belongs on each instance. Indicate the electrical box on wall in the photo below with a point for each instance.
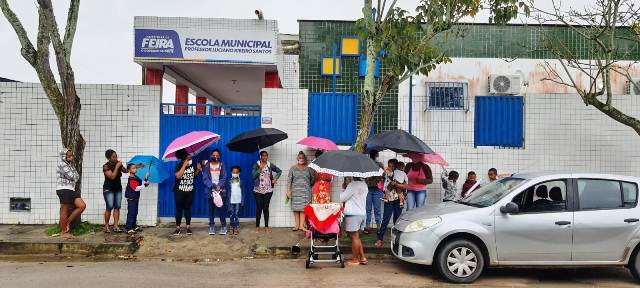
(19, 204)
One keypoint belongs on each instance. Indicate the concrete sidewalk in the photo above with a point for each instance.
(159, 243)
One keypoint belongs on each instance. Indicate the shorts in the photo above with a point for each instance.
(112, 199)
(354, 223)
(67, 196)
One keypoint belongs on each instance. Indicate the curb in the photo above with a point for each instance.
(285, 251)
(13, 248)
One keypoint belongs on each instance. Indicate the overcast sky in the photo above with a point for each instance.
(103, 47)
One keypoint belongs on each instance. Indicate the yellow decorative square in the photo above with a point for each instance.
(350, 46)
(327, 68)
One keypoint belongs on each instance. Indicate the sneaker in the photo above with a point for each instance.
(131, 232)
(212, 230)
(138, 229)
(223, 230)
(177, 231)
(189, 231)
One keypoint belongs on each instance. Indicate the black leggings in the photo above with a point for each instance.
(262, 205)
(183, 203)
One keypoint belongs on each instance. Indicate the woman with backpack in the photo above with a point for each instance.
(265, 176)
(420, 176)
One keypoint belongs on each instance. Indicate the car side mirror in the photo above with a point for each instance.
(510, 208)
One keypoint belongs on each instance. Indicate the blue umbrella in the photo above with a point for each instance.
(153, 165)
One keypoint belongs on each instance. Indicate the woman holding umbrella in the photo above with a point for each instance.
(420, 176)
(265, 176)
(183, 189)
(214, 177)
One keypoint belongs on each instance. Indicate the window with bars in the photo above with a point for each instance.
(447, 96)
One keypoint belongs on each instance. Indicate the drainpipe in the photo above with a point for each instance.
(410, 103)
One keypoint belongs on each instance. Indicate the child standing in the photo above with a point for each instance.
(132, 193)
(235, 186)
(449, 185)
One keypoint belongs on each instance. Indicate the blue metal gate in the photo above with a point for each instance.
(225, 120)
(333, 116)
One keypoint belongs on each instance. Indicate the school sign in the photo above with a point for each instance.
(188, 45)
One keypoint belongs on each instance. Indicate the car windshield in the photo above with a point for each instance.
(491, 193)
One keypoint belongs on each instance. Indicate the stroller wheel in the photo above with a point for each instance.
(307, 263)
(341, 261)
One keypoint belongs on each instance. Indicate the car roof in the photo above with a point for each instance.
(549, 175)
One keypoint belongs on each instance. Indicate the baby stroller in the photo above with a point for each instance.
(324, 226)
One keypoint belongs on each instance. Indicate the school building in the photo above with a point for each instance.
(480, 111)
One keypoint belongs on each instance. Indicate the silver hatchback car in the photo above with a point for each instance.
(526, 220)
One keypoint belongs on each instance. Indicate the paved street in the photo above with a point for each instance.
(283, 273)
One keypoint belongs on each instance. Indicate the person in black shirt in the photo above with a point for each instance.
(183, 192)
(112, 189)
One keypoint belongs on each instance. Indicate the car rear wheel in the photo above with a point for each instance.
(460, 261)
(634, 265)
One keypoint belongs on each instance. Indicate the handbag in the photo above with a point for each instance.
(217, 199)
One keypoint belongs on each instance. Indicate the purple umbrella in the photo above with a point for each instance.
(193, 142)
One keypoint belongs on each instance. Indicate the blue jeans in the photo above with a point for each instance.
(235, 209)
(390, 208)
(222, 213)
(373, 199)
(113, 199)
(416, 199)
(132, 213)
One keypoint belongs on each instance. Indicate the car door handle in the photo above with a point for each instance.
(631, 220)
(562, 223)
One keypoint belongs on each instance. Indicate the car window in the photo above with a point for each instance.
(629, 194)
(491, 193)
(599, 194)
(550, 196)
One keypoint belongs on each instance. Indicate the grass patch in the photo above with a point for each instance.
(83, 228)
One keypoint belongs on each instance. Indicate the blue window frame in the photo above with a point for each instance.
(447, 96)
(333, 116)
(499, 121)
(363, 66)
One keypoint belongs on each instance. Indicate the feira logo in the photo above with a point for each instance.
(157, 43)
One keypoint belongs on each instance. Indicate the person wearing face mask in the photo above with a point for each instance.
(299, 189)
(183, 191)
(214, 177)
(265, 176)
(235, 198)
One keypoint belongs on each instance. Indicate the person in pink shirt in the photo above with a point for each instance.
(420, 176)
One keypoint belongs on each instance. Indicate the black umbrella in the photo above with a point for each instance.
(255, 140)
(399, 141)
(346, 163)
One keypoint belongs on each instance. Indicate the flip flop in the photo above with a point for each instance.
(364, 262)
(352, 263)
(294, 229)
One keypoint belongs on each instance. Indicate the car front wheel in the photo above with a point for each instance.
(460, 261)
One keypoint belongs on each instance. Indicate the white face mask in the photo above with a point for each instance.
(234, 175)
(189, 162)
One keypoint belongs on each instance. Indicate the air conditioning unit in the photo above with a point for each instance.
(633, 89)
(504, 84)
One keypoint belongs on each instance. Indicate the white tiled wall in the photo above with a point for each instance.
(291, 77)
(288, 111)
(561, 134)
(120, 117)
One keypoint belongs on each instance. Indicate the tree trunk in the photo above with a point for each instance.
(368, 98)
(369, 110)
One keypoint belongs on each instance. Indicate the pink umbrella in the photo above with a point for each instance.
(319, 143)
(428, 158)
(193, 142)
